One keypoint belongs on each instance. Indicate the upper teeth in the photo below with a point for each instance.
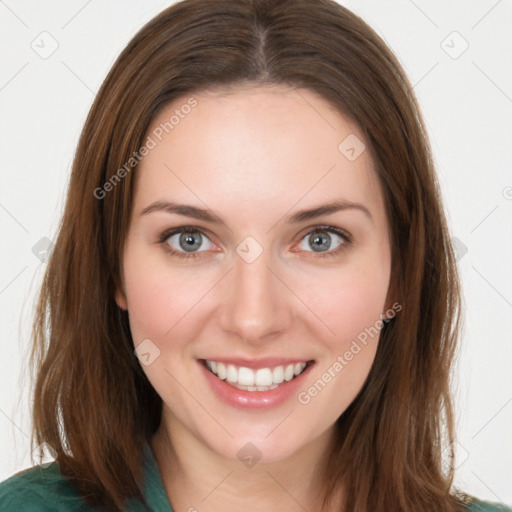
(261, 377)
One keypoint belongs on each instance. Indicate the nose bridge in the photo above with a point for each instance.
(256, 305)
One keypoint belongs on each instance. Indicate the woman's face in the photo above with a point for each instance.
(255, 287)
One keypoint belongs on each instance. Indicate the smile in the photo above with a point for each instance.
(261, 379)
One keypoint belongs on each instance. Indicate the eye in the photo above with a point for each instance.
(189, 242)
(322, 238)
(185, 242)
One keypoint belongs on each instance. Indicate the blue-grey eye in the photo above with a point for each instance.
(321, 240)
(188, 241)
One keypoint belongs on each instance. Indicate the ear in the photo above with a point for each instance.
(120, 296)
(121, 299)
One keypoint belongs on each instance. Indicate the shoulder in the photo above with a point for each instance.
(473, 504)
(39, 489)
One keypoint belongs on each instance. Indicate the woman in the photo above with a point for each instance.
(252, 302)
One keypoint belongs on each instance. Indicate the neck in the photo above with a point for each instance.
(197, 478)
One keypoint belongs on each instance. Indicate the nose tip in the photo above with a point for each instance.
(255, 304)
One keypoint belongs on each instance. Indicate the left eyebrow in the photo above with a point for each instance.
(326, 209)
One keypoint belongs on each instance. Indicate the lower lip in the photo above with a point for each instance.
(254, 399)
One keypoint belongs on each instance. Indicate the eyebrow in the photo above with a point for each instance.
(209, 216)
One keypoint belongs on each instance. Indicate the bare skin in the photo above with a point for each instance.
(254, 156)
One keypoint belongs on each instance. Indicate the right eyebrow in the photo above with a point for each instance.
(183, 209)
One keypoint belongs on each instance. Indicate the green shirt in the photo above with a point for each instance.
(40, 489)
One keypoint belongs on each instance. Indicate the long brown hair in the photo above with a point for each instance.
(93, 403)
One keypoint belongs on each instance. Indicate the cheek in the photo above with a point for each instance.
(157, 298)
(349, 301)
(351, 306)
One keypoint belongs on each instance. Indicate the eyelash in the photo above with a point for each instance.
(347, 240)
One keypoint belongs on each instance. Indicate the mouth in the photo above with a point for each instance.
(256, 380)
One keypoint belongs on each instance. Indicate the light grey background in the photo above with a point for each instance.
(466, 97)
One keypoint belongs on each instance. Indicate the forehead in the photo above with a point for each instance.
(255, 145)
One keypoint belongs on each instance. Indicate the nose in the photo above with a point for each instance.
(257, 304)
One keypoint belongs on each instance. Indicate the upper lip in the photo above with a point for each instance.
(267, 362)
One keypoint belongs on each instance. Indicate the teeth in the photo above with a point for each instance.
(221, 371)
(288, 373)
(245, 376)
(278, 375)
(262, 379)
(231, 374)
(255, 388)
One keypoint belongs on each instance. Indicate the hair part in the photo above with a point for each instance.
(93, 403)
